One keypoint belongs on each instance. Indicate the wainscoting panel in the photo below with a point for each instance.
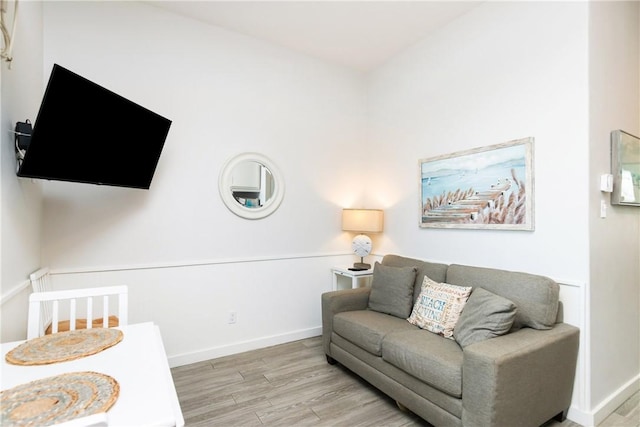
(275, 300)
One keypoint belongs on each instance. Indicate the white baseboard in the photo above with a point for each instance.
(242, 346)
(606, 407)
(580, 417)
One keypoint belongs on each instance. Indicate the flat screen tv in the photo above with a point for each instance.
(87, 133)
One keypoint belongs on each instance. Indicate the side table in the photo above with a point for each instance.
(353, 275)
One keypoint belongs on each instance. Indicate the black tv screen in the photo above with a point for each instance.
(87, 133)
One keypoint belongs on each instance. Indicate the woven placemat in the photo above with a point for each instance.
(57, 399)
(63, 346)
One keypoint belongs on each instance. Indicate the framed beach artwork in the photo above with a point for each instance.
(482, 188)
(625, 168)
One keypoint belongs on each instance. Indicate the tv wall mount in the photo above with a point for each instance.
(22, 134)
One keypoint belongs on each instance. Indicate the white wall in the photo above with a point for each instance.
(226, 94)
(506, 70)
(20, 200)
(614, 75)
(186, 258)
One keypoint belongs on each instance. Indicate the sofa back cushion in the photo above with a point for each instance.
(436, 271)
(485, 315)
(536, 297)
(392, 290)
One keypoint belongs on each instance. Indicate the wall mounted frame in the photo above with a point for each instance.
(625, 168)
(482, 188)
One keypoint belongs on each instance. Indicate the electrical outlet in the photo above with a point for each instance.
(603, 209)
(232, 317)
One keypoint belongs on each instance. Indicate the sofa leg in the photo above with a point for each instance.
(561, 416)
(402, 407)
(331, 360)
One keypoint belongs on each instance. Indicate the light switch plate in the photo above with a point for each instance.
(606, 183)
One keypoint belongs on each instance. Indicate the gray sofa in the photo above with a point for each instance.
(510, 362)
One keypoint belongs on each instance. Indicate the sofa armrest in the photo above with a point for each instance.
(525, 375)
(337, 302)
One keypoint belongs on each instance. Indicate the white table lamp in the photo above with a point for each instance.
(362, 221)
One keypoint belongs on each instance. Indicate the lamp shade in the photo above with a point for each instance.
(362, 220)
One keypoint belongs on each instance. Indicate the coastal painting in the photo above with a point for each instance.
(483, 188)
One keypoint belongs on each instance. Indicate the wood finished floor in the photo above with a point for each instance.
(293, 385)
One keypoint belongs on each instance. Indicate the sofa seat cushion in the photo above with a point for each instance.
(429, 357)
(367, 328)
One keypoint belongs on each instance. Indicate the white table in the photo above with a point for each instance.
(353, 275)
(139, 364)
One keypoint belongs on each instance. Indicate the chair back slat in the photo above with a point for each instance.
(72, 314)
(40, 282)
(75, 300)
(55, 316)
(90, 311)
(105, 316)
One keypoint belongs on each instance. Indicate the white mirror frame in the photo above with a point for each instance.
(225, 181)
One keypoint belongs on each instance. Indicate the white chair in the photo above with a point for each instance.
(44, 308)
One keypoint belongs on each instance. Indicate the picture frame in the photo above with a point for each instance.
(482, 188)
(625, 168)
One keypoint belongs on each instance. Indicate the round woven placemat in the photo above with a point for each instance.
(56, 399)
(63, 346)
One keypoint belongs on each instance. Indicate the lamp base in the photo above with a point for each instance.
(359, 266)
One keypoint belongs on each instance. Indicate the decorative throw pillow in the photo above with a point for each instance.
(392, 290)
(486, 315)
(438, 307)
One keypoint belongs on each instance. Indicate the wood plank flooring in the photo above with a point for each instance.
(293, 385)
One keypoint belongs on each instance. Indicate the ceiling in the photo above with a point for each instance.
(357, 34)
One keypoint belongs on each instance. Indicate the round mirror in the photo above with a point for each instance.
(251, 186)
